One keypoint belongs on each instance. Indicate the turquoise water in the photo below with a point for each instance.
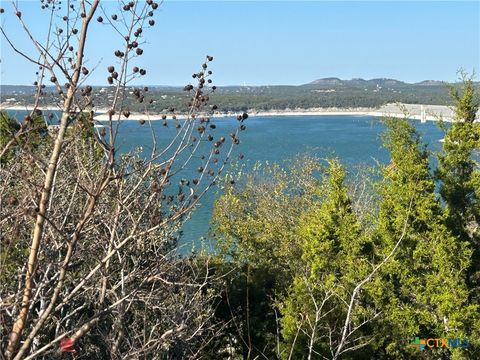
(353, 139)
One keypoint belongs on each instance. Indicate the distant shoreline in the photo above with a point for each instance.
(427, 112)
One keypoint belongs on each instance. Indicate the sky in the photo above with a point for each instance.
(277, 42)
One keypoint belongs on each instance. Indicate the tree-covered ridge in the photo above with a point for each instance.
(320, 94)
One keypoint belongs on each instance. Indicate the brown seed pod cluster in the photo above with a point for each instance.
(13, 201)
(86, 91)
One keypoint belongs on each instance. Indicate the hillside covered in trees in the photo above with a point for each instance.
(322, 93)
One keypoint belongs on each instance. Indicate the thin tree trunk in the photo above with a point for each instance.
(20, 322)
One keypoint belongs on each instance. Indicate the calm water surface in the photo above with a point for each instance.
(353, 139)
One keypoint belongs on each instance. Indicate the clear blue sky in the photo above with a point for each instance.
(260, 42)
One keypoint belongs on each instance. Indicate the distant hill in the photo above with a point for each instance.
(359, 82)
(331, 81)
(430, 83)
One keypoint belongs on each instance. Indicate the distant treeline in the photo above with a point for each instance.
(325, 93)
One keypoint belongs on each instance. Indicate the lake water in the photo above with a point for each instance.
(353, 139)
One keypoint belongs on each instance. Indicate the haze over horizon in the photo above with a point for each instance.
(281, 43)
